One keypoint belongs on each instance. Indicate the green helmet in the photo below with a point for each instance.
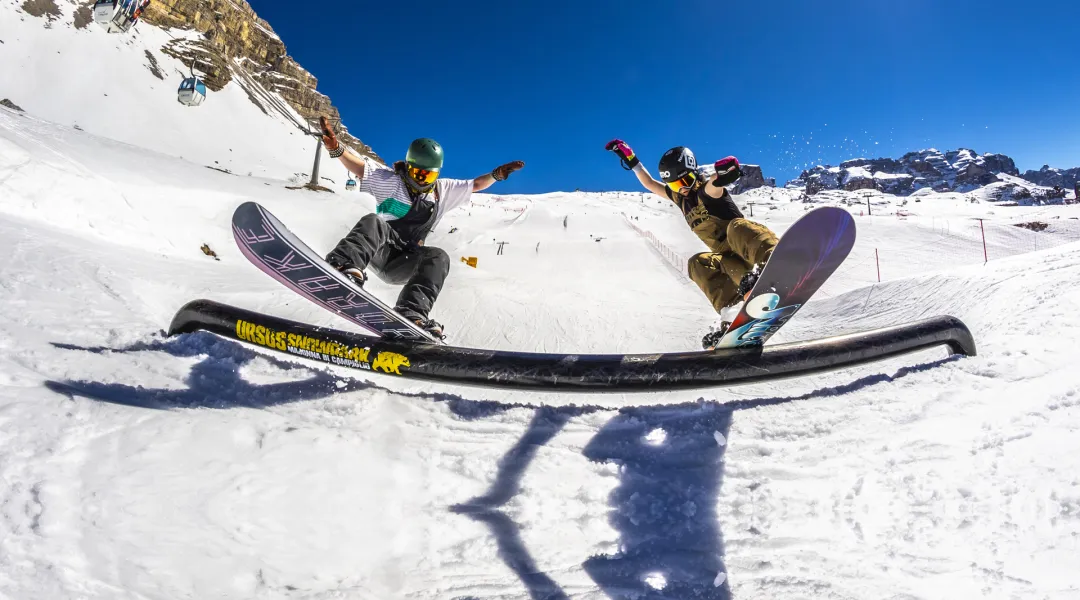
(425, 153)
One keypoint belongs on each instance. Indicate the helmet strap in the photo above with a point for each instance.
(415, 189)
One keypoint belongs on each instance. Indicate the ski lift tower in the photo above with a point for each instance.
(315, 129)
(867, 194)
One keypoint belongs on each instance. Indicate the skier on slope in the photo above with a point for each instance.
(411, 199)
(738, 247)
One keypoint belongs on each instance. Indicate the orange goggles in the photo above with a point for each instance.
(685, 181)
(423, 176)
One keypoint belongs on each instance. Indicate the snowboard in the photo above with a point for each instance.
(269, 245)
(806, 256)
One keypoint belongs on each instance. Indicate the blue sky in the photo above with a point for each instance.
(786, 84)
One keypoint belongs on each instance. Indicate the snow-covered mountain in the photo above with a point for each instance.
(61, 66)
(994, 176)
(1051, 177)
(955, 171)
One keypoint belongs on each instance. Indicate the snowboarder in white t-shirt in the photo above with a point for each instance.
(410, 200)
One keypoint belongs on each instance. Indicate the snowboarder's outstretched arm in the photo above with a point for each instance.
(631, 162)
(727, 171)
(337, 150)
(499, 173)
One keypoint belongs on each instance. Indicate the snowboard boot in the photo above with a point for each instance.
(746, 285)
(714, 336)
(355, 275)
(431, 326)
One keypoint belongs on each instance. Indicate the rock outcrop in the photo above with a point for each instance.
(42, 8)
(1048, 176)
(752, 178)
(1023, 195)
(955, 171)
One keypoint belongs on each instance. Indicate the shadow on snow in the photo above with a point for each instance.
(670, 459)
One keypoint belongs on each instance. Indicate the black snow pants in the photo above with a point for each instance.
(423, 269)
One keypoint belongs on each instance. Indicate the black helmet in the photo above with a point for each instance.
(676, 163)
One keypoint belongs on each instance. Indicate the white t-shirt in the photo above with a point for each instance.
(392, 199)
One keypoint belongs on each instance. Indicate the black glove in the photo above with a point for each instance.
(727, 171)
(626, 155)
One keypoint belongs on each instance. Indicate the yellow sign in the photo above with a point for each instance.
(471, 261)
(320, 349)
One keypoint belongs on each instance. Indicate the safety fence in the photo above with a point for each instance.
(893, 247)
(677, 260)
(934, 244)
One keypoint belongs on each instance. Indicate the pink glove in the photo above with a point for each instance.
(626, 155)
(727, 171)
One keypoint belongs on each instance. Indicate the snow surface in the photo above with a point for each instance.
(134, 466)
(853, 173)
(884, 175)
(139, 467)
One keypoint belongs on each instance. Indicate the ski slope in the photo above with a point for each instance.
(139, 467)
(106, 85)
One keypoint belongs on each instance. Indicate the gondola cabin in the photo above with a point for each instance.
(192, 92)
(350, 185)
(118, 16)
(104, 11)
(121, 24)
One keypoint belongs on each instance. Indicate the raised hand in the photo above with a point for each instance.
(625, 153)
(328, 137)
(503, 171)
(727, 171)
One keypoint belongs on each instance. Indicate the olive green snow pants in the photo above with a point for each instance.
(718, 273)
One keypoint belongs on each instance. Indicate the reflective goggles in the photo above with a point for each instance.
(423, 176)
(685, 181)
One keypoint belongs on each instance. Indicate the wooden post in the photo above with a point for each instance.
(983, 231)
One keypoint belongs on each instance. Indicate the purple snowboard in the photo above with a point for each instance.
(269, 245)
(807, 255)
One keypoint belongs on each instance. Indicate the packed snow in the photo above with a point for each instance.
(137, 466)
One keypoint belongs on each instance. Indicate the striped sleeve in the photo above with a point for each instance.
(391, 199)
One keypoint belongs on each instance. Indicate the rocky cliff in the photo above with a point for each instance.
(752, 178)
(955, 171)
(1050, 177)
(236, 45)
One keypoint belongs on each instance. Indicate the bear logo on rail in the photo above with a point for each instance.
(389, 362)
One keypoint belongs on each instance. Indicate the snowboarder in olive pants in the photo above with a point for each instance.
(410, 200)
(737, 246)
